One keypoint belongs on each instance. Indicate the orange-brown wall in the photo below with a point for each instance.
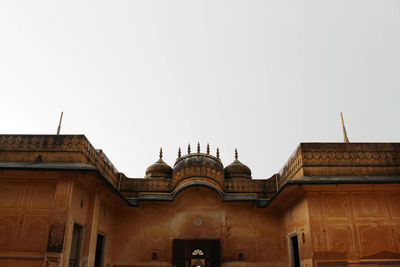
(241, 227)
(26, 202)
(351, 223)
(296, 220)
(33, 202)
(93, 207)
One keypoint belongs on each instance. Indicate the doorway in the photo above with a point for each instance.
(294, 250)
(196, 253)
(75, 246)
(98, 260)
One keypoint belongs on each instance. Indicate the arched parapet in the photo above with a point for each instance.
(198, 181)
(192, 182)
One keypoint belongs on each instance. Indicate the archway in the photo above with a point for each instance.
(196, 253)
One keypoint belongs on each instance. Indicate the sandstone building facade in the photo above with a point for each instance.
(63, 203)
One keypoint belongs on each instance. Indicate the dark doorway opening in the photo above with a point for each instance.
(295, 251)
(98, 261)
(74, 253)
(196, 253)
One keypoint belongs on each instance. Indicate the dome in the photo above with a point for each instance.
(237, 169)
(198, 165)
(159, 169)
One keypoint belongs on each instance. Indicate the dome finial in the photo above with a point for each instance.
(179, 153)
(188, 148)
(198, 147)
(208, 148)
(217, 153)
(159, 169)
(236, 153)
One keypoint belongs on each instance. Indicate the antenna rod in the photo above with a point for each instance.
(59, 125)
(346, 140)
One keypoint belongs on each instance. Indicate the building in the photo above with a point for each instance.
(63, 203)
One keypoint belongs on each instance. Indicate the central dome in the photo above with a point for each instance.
(198, 165)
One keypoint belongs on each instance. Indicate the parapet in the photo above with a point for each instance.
(56, 149)
(340, 159)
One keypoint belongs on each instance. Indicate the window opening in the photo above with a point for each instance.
(240, 257)
(197, 252)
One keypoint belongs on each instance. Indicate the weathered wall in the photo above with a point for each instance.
(296, 220)
(352, 224)
(38, 210)
(355, 223)
(92, 207)
(197, 213)
(27, 203)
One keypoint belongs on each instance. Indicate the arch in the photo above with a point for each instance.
(192, 182)
(197, 252)
(196, 182)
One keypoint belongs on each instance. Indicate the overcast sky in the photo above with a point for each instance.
(261, 76)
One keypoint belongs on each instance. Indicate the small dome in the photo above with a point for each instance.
(159, 169)
(237, 169)
(198, 160)
(198, 165)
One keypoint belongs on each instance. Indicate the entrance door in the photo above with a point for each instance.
(98, 260)
(75, 246)
(295, 251)
(196, 253)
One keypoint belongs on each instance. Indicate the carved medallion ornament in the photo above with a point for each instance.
(56, 235)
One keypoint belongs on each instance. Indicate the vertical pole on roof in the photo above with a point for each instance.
(59, 124)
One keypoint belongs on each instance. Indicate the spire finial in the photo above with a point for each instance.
(346, 140)
(236, 153)
(59, 124)
(188, 148)
(160, 152)
(179, 153)
(198, 147)
(208, 148)
(217, 153)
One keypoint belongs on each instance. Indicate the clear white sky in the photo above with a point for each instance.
(261, 76)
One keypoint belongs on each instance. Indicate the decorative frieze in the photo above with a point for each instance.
(188, 172)
(244, 186)
(340, 155)
(43, 142)
(61, 143)
(146, 185)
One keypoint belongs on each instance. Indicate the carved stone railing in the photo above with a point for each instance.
(146, 185)
(244, 186)
(61, 143)
(291, 167)
(262, 186)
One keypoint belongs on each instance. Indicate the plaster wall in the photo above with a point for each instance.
(39, 209)
(93, 207)
(26, 204)
(296, 221)
(355, 224)
(197, 213)
(335, 224)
